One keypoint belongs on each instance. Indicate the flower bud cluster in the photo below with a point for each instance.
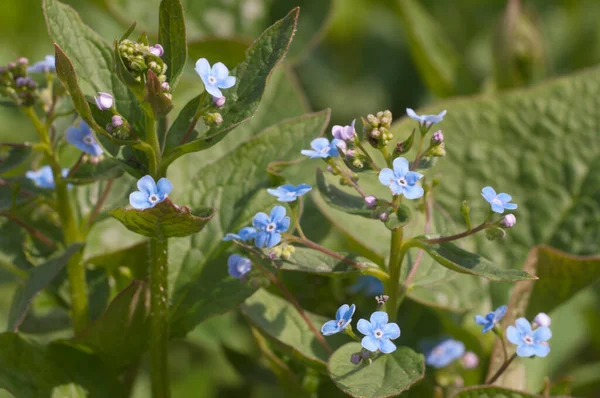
(283, 251)
(376, 128)
(15, 84)
(139, 58)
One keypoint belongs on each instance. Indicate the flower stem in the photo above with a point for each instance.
(159, 313)
(369, 158)
(351, 333)
(71, 233)
(388, 157)
(498, 332)
(396, 257)
(152, 140)
(348, 179)
(458, 236)
(34, 232)
(296, 210)
(504, 366)
(419, 154)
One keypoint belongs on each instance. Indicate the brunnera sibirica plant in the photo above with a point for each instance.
(233, 237)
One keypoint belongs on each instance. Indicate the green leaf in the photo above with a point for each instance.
(87, 173)
(491, 392)
(243, 98)
(453, 257)
(39, 277)
(172, 36)
(119, 336)
(28, 369)
(437, 60)
(313, 261)
(387, 376)
(230, 51)
(69, 391)
(399, 218)
(341, 200)
(16, 156)
(165, 220)
(459, 293)
(278, 320)
(158, 100)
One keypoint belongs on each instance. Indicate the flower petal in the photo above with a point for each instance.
(302, 189)
(364, 327)
(283, 225)
(275, 192)
(213, 90)
(524, 326)
(147, 185)
(311, 154)
(370, 343)
(139, 200)
(400, 167)
(541, 350)
(525, 350)
(261, 239)
(319, 143)
(386, 176)
(510, 206)
(391, 331)
(274, 239)
(499, 313)
(203, 68)
(379, 319)
(504, 197)
(277, 214)
(228, 82)
(413, 192)
(386, 346)
(247, 233)
(164, 187)
(339, 314)
(229, 237)
(497, 208)
(412, 177)
(220, 71)
(480, 320)
(349, 313)
(329, 328)
(488, 193)
(513, 335)
(542, 334)
(260, 220)
(413, 115)
(337, 131)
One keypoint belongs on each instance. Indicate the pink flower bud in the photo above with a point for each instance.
(509, 221)
(104, 101)
(371, 200)
(470, 360)
(542, 319)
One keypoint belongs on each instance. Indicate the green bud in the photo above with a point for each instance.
(373, 120)
(212, 119)
(465, 210)
(495, 232)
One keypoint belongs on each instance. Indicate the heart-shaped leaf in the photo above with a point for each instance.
(341, 200)
(387, 376)
(165, 220)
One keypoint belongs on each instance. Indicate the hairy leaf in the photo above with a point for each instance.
(172, 36)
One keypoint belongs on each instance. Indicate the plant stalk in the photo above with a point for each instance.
(393, 288)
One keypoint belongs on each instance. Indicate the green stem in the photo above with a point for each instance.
(388, 158)
(351, 333)
(418, 156)
(296, 210)
(369, 158)
(393, 288)
(71, 233)
(159, 313)
(152, 140)
(13, 269)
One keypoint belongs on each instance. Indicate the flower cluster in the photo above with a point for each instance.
(139, 57)
(16, 85)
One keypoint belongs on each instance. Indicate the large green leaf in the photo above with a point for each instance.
(165, 220)
(243, 98)
(119, 336)
(281, 322)
(236, 183)
(15, 156)
(28, 369)
(313, 261)
(457, 259)
(492, 392)
(342, 200)
(39, 277)
(387, 376)
(87, 173)
(172, 36)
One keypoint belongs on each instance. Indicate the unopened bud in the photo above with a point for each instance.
(11, 65)
(382, 299)
(375, 133)
(104, 101)
(383, 217)
(437, 138)
(219, 102)
(117, 121)
(21, 81)
(165, 86)
(509, 221)
(373, 121)
(542, 319)
(157, 50)
(371, 200)
(355, 358)
(470, 360)
(22, 61)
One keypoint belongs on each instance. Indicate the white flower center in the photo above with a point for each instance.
(88, 140)
(212, 79)
(497, 201)
(324, 150)
(378, 334)
(341, 322)
(153, 198)
(290, 193)
(528, 339)
(270, 227)
(402, 182)
(241, 268)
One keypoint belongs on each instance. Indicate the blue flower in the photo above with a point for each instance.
(270, 227)
(426, 120)
(322, 148)
(343, 317)
(238, 266)
(43, 177)
(288, 192)
(402, 181)
(499, 202)
(529, 342)
(344, 133)
(244, 234)
(45, 66)
(368, 285)
(83, 139)
(215, 78)
(150, 193)
(489, 321)
(378, 333)
(444, 353)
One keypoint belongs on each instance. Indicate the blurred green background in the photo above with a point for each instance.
(355, 57)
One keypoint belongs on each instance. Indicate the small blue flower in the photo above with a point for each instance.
(444, 353)
(344, 133)
(378, 333)
(489, 321)
(43, 177)
(402, 181)
(426, 120)
(529, 342)
(270, 227)
(499, 202)
(45, 66)
(343, 317)
(367, 285)
(83, 139)
(322, 148)
(215, 78)
(288, 192)
(150, 193)
(238, 266)
(244, 234)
